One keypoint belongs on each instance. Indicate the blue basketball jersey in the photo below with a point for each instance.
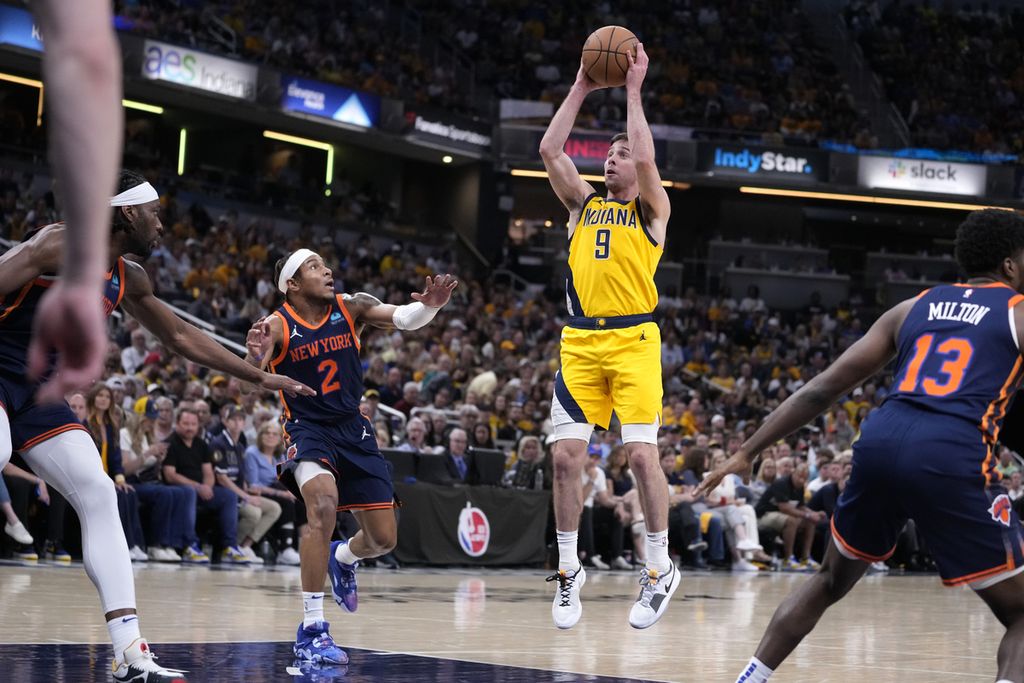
(958, 354)
(18, 310)
(325, 357)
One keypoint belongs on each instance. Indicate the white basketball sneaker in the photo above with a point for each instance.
(655, 592)
(566, 609)
(139, 666)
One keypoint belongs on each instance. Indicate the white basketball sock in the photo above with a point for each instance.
(312, 608)
(345, 555)
(123, 632)
(755, 672)
(657, 552)
(568, 555)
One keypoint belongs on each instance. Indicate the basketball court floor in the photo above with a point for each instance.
(461, 625)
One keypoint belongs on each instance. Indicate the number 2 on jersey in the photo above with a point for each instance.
(330, 382)
(604, 244)
(957, 352)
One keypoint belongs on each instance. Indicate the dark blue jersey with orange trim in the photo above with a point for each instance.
(959, 354)
(324, 356)
(18, 310)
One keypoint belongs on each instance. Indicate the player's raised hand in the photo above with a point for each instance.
(585, 82)
(637, 68)
(740, 463)
(285, 384)
(70, 323)
(437, 292)
(258, 341)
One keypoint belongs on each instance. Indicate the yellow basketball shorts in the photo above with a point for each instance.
(606, 370)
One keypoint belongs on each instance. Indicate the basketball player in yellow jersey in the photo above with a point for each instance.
(611, 348)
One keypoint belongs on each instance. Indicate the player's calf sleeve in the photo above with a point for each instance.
(69, 462)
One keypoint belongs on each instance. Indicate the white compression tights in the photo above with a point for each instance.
(70, 463)
(5, 439)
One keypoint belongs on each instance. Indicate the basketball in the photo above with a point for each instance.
(604, 55)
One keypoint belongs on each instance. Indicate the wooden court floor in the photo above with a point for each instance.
(891, 628)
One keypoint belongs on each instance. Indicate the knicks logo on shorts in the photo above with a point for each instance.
(1001, 508)
(293, 450)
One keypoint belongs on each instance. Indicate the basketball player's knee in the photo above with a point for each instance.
(833, 588)
(322, 511)
(565, 464)
(381, 541)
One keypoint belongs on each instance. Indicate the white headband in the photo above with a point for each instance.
(292, 265)
(133, 196)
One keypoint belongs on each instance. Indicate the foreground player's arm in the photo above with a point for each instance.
(187, 340)
(565, 180)
(655, 200)
(367, 309)
(30, 259)
(862, 360)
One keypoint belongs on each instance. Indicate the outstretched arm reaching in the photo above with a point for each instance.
(189, 341)
(862, 360)
(571, 189)
(369, 310)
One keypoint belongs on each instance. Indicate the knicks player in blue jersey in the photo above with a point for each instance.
(333, 460)
(49, 436)
(929, 452)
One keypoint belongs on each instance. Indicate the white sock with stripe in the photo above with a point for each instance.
(123, 632)
(755, 672)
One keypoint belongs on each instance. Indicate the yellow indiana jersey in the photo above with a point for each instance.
(612, 259)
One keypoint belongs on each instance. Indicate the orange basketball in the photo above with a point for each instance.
(605, 55)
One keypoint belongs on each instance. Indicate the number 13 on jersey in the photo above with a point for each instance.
(957, 353)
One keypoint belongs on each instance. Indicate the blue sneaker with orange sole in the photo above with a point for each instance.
(343, 580)
(314, 644)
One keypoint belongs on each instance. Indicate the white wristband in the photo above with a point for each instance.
(413, 316)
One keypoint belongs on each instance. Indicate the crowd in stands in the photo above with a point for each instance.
(749, 66)
(193, 455)
(956, 74)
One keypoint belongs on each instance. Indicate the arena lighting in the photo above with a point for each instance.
(447, 158)
(868, 199)
(182, 141)
(32, 83)
(315, 144)
(527, 173)
(142, 106)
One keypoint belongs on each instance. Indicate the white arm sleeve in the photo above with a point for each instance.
(413, 316)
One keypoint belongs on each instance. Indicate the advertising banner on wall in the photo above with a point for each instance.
(194, 69)
(918, 175)
(306, 96)
(18, 28)
(447, 130)
(750, 162)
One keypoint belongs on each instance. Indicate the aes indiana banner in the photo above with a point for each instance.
(476, 525)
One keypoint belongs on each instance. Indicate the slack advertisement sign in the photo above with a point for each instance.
(749, 162)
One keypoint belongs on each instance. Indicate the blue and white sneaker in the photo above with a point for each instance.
(314, 644)
(302, 671)
(343, 580)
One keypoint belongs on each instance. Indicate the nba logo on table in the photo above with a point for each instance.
(474, 531)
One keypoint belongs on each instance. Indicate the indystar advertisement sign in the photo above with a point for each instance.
(742, 161)
(333, 102)
(181, 65)
(921, 176)
(18, 28)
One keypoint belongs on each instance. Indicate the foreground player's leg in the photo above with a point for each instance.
(1006, 600)
(800, 611)
(659, 578)
(69, 463)
(569, 455)
(377, 535)
(319, 490)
